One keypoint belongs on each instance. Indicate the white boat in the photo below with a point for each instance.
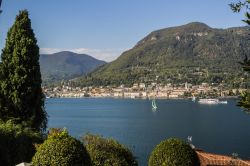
(223, 102)
(193, 99)
(208, 101)
(211, 101)
(154, 104)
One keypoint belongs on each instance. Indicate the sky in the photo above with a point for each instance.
(106, 28)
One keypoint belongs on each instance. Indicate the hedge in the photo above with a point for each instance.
(173, 152)
(61, 149)
(108, 152)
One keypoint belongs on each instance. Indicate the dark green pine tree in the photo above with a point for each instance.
(21, 95)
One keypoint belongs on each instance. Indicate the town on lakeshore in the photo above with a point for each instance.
(141, 90)
(115, 69)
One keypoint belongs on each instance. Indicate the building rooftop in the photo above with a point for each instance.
(210, 159)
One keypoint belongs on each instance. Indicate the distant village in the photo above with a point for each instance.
(140, 90)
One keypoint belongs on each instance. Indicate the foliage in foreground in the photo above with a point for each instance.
(173, 152)
(237, 7)
(61, 149)
(17, 143)
(21, 95)
(108, 152)
(245, 101)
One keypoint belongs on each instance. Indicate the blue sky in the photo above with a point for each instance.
(105, 28)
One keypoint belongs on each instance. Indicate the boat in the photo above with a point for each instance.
(193, 99)
(223, 102)
(208, 101)
(211, 101)
(154, 104)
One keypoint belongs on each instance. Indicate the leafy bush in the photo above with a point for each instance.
(173, 152)
(17, 143)
(61, 149)
(108, 152)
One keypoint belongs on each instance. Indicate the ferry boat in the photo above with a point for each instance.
(223, 102)
(211, 101)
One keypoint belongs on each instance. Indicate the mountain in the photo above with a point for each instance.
(192, 53)
(66, 65)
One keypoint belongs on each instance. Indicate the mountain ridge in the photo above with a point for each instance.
(178, 54)
(66, 65)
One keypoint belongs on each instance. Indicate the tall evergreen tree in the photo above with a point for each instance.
(21, 95)
(0, 6)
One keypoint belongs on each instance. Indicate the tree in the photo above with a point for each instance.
(237, 7)
(21, 95)
(107, 152)
(173, 152)
(0, 6)
(61, 149)
(17, 143)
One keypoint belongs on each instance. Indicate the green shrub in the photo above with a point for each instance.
(17, 143)
(173, 152)
(61, 149)
(108, 152)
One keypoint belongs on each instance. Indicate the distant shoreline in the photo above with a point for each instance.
(141, 98)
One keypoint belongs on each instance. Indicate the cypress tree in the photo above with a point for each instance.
(21, 95)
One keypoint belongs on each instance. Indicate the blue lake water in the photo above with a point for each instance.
(221, 128)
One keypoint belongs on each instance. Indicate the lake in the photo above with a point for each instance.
(221, 128)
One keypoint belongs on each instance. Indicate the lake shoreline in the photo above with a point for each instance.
(141, 98)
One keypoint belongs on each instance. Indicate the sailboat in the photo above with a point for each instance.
(193, 99)
(154, 104)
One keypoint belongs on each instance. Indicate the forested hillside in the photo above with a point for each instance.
(193, 53)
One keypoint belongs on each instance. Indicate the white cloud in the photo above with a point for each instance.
(49, 50)
(107, 55)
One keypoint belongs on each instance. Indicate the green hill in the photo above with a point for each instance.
(66, 65)
(193, 53)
